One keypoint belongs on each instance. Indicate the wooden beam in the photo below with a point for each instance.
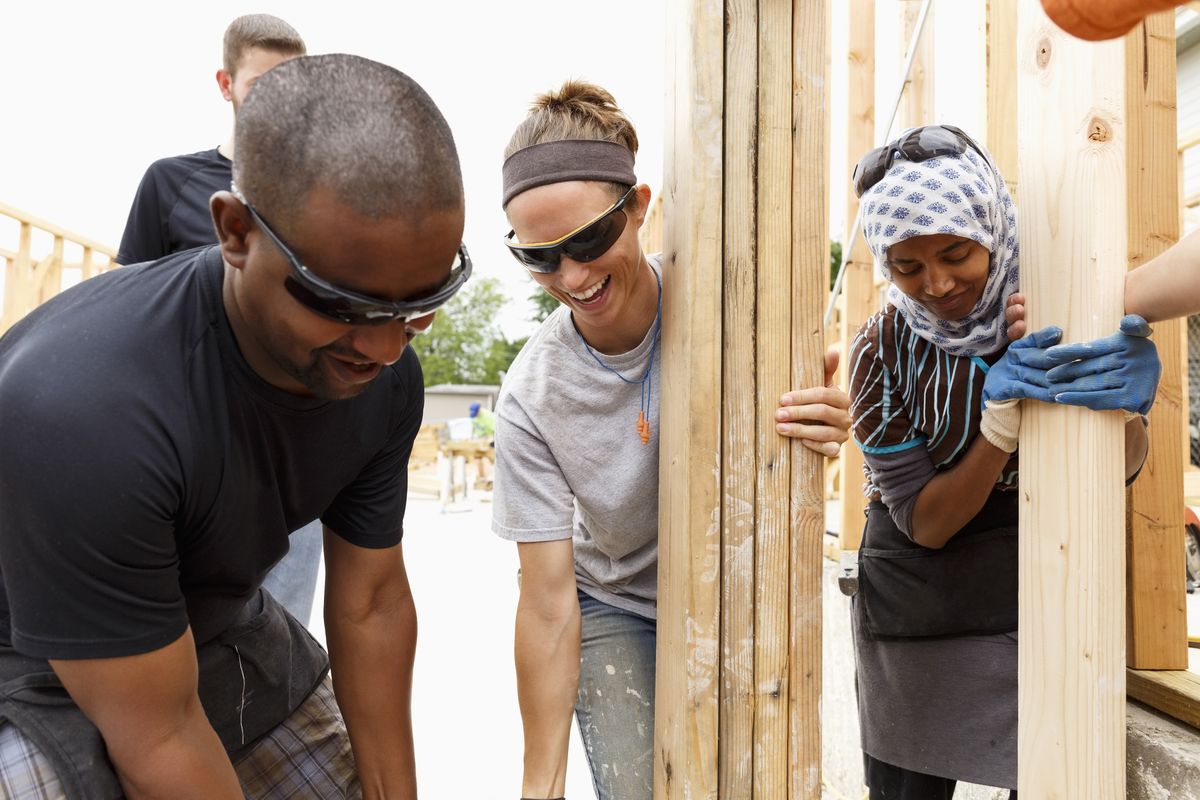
(858, 285)
(1072, 167)
(809, 278)
(741, 508)
(1157, 607)
(740, 435)
(689, 556)
(917, 106)
(1176, 693)
(1001, 48)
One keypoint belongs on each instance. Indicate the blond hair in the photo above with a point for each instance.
(259, 30)
(577, 110)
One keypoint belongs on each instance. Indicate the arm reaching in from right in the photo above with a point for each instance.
(547, 654)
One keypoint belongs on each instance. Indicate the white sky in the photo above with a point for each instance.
(95, 92)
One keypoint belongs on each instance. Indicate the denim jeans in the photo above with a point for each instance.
(293, 581)
(615, 708)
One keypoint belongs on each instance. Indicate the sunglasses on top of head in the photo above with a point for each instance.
(586, 243)
(352, 308)
(919, 144)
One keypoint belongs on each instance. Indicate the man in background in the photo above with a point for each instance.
(171, 213)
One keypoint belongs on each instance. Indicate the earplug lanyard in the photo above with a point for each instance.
(644, 429)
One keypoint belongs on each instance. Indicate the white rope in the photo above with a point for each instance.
(851, 237)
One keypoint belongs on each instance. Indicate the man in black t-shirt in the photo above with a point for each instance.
(170, 213)
(164, 426)
(170, 210)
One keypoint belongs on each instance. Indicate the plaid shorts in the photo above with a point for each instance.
(308, 756)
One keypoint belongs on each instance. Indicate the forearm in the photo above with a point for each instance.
(371, 662)
(189, 762)
(547, 655)
(1167, 286)
(954, 496)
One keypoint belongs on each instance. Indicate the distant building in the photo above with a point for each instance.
(453, 400)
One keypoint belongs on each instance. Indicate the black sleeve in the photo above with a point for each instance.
(370, 511)
(88, 496)
(145, 236)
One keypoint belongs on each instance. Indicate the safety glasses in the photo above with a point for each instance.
(353, 308)
(586, 243)
(920, 144)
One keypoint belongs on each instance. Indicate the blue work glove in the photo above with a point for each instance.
(1118, 371)
(1021, 372)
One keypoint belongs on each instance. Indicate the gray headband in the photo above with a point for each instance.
(566, 160)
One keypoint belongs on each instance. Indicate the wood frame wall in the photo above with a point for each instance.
(741, 509)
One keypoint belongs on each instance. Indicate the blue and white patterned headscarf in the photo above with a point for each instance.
(962, 195)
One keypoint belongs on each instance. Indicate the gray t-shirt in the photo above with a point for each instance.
(570, 462)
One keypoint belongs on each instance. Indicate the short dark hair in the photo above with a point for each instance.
(362, 129)
(259, 30)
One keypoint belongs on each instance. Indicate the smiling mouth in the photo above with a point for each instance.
(588, 294)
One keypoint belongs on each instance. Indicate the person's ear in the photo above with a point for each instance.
(643, 204)
(233, 224)
(225, 83)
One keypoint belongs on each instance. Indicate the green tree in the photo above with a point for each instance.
(543, 304)
(464, 344)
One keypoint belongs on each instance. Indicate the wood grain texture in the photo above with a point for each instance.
(1000, 43)
(859, 300)
(1072, 168)
(1176, 693)
(773, 350)
(686, 705)
(917, 105)
(1156, 598)
(810, 225)
(738, 403)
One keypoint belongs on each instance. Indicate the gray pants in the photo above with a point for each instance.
(293, 581)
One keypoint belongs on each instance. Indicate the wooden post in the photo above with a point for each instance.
(16, 279)
(741, 508)
(917, 107)
(1157, 610)
(1072, 163)
(1001, 46)
(858, 285)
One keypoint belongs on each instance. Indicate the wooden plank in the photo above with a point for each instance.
(738, 404)
(1072, 166)
(917, 106)
(55, 230)
(810, 226)
(773, 353)
(1176, 693)
(686, 707)
(16, 280)
(1001, 49)
(1156, 597)
(858, 285)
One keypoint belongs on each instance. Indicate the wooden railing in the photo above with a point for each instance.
(1186, 202)
(43, 260)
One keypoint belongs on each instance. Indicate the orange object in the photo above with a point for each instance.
(1096, 20)
(643, 427)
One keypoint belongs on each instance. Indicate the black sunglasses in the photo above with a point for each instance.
(586, 243)
(353, 308)
(920, 144)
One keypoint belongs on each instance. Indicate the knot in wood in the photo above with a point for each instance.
(1098, 130)
(1043, 52)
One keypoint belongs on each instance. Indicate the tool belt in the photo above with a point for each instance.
(967, 587)
(251, 678)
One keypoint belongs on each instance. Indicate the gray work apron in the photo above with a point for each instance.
(252, 677)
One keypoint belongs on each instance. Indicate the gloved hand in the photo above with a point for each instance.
(1001, 423)
(1021, 371)
(1118, 371)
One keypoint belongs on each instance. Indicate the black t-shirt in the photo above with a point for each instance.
(149, 477)
(170, 210)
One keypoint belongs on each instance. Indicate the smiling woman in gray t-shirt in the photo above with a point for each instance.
(577, 445)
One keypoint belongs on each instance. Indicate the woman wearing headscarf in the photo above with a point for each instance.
(577, 444)
(935, 406)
